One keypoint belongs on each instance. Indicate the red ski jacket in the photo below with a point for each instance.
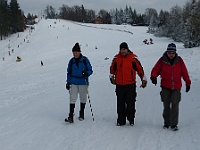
(171, 74)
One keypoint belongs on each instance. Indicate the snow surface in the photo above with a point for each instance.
(34, 101)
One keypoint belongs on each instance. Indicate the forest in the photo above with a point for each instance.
(182, 24)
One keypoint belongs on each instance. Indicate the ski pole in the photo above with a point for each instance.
(90, 103)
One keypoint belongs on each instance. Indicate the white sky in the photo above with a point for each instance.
(35, 6)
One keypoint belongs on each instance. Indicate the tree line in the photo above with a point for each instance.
(80, 14)
(180, 24)
(11, 18)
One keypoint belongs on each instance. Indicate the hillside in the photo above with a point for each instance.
(34, 101)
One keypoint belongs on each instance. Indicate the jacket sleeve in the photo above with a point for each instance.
(68, 75)
(155, 72)
(184, 73)
(138, 68)
(113, 67)
(89, 67)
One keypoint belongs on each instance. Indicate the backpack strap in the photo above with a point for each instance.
(70, 64)
(84, 62)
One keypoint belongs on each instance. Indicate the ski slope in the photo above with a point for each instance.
(34, 101)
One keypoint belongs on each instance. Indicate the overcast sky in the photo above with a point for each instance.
(35, 6)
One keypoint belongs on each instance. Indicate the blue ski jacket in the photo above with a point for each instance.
(75, 69)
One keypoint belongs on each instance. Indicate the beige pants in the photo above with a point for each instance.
(76, 90)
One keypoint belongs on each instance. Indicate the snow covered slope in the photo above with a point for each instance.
(34, 101)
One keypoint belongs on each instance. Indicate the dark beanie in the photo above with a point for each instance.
(123, 45)
(76, 48)
(171, 47)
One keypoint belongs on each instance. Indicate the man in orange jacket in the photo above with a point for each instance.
(123, 71)
(171, 69)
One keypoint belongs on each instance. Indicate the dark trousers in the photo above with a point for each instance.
(170, 99)
(126, 97)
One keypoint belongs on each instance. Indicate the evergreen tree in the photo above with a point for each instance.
(193, 26)
(4, 19)
(15, 16)
(105, 16)
(50, 12)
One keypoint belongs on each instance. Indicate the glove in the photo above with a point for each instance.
(84, 74)
(144, 84)
(112, 80)
(187, 88)
(154, 80)
(68, 86)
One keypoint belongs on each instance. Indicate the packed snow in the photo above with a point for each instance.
(34, 101)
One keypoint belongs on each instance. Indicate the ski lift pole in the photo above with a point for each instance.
(90, 102)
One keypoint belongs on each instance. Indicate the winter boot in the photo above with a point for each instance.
(70, 119)
(165, 126)
(131, 123)
(81, 112)
(174, 128)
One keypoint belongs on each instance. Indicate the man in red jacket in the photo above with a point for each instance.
(171, 69)
(123, 71)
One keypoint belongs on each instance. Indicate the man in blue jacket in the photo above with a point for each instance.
(78, 71)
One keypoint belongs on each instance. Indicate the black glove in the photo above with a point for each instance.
(187, 88)
(68, 86)
(112, 80)
(154, 80)
(144, 84)
(84, 74)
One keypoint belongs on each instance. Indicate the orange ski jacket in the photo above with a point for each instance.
(124, 69)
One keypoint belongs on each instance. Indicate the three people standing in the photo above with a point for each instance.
(124, 67)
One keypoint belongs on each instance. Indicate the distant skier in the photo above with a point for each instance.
(151, 41)
(18, 59)
(78, 71)
(145, 41)
(171, 68)
(41, 63)
(3, 58)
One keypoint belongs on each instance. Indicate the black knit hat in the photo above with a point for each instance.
(76, 48)
(123, 45)
(171, 47)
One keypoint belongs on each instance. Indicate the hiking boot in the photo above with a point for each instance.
(81, 115)
(118, 124)
(81, 112)
(174, 127)
(69, 119)
(131, 123)
(165, 126)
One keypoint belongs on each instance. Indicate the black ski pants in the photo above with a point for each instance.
(170, 99)
(126, 98)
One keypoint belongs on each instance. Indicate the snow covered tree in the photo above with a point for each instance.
(175, 23)
(193, 26)
(162, 23)
(50, 12)
(149, 12)
(105, 16)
